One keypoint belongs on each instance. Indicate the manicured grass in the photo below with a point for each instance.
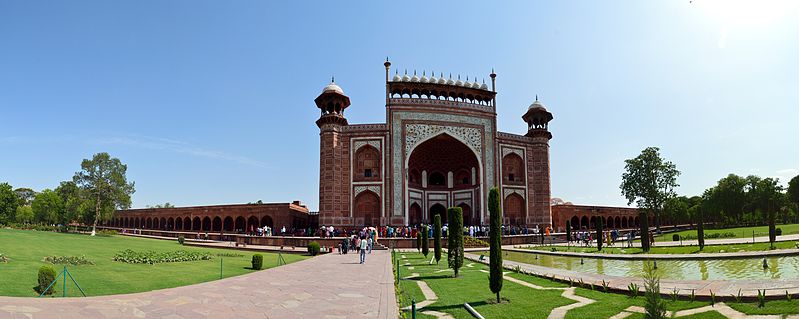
(525, 302)
(688, 249)
(27, 248)
(740, 232)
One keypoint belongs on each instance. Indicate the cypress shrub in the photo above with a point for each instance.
(655, 306)
(644, 231)
(437, 237)
(425, 241)
(313, 248)
(257, 261)
(46, 277)
(418, 241)
(455, 239)
(700, 232)
(568, 231)
(495, 242)
(599, 234)
(181, 239)
(772, 232)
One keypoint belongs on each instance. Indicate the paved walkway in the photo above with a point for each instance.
(328, 286)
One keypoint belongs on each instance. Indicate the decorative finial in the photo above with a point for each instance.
(536, 97)
(414, 72)
(406, 71)
(423, 73)
(333, 79)
(387, 58)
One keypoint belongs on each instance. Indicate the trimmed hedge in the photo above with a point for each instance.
(471, 242)
(779, 231)
(46, 277)
(257, 261)
(675, 237)
(181, 239)
(313, 248)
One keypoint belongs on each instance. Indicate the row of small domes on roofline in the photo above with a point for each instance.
(439, 80)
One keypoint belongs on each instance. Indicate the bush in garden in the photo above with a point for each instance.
(313, 248)
(181, 239)
(779, 231)
(257, 261)
(675, 237)
(46, 277)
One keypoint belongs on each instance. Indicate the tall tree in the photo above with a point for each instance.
(24, 214)
(103, 180)
(425, 241)
(793, 191)
(75, 204)
(25, 195)
(649, 181)
(455, 239)
(495, 242)
(437, 237)
(700, 227)
(47, 207)
(568, 231)
(8, 203)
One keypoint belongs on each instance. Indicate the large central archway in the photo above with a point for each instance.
(443, 169)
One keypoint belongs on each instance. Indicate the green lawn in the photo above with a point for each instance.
(619, 249)
(27, 248)
(740, 232)
(525, 302)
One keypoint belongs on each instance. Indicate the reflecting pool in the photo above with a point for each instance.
(709, 269)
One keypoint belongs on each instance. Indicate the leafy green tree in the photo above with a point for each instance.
(103, 181)
(455, 239)
(649, 181)
(425, 240)
(47, 207)
(75, 204)
(495, 241)
(793, 191)
(24, 214)
(727, 199)
(8, 203)
(25, 195)
(599, 233)
(437, 237)
(676, 208)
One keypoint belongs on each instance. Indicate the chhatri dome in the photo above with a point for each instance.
(333, 87)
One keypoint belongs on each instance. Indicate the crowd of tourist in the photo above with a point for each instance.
(588, 238)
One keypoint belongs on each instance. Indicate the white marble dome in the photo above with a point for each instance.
(333, 87)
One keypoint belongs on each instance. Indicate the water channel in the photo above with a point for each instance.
(786, 267)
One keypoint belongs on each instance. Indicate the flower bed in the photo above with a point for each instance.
(150, 257)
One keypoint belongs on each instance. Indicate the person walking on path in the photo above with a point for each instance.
(371, 242)
(363, 248)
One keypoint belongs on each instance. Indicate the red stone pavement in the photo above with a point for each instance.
(328, 286)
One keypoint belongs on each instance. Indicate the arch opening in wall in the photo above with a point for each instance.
(415, 214)
(575, 223)
(514, 209)
(366, 166)
(178, 223)
(197, 224)
(267, 221)
(217, 224)
(241, 224)
(367, 209)
(468, 218)
(513, 170)
(227, 224)
(252, 224)
(584, 223)
(438, 209)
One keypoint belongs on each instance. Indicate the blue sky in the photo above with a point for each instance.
(211, 102)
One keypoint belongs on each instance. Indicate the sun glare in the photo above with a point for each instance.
(734, 13)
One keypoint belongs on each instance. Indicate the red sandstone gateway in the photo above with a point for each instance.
(439, 148)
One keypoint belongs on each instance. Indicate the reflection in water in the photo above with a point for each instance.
(711, 269)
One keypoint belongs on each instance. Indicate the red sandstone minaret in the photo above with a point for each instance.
(332, 103)
(537, 118)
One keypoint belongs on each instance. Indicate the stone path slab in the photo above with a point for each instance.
(328, 286)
